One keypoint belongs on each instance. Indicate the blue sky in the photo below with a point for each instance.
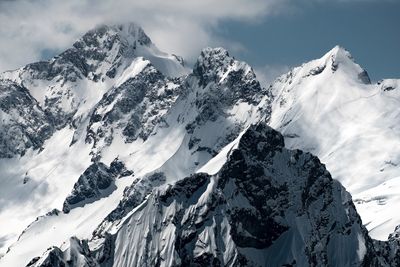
(271, 35)
(370, 30)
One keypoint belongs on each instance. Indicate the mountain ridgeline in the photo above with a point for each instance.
(114, 153)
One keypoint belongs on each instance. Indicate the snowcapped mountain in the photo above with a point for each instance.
(263, 199)
(330, 108)
(114, 153)
(42, 160)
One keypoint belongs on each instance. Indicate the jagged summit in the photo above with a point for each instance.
(216, 65)
(211, 63)
(96, 55)
(103, 35)
(103, 52)
(68, 86)
(210, 56)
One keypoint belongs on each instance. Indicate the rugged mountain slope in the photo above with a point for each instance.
(149, 120)
(23, 123)
(71, 83)
(45, 111)
(267, 206)
(329, 107)
(100, 130)
(264, 198)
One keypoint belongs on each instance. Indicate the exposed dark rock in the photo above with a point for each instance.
(52, 258)
(24, 125)
(136, 107)
(118, 168)
(264, 198)
(96, 182)
(364, 77)
(133, 196)
(78, 254)
(317, 70)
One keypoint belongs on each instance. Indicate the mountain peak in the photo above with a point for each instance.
(338, 55)
(212, 63)
(132, 32)
(104, 51)
(260, 139)
(341, 56)
(132, 29)
(127, 41)
(219, 52)
(339, 51)
(213, 58)
(337, 59)
(104, 36)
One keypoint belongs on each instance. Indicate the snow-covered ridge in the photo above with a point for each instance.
(114, 98)
(329, 107)
(175, 119)
(263, 199)
(45, 109)
(69, 85)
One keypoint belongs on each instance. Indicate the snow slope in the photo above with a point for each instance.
(329, 108)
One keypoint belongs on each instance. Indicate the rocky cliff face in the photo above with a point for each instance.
(264, 198)
(24, 123)
(97, 181)
(133, 107)
(67, 86)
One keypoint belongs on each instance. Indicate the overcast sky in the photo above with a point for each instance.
(271, 35)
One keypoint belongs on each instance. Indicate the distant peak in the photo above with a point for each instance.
(338, 49)
(212, 62)
(339, 57)
(132, 30)
(219, 52)
(214, 57)
(105, 35)
(338, 53)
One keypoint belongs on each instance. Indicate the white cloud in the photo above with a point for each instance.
(31, 28)
(268, 73)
